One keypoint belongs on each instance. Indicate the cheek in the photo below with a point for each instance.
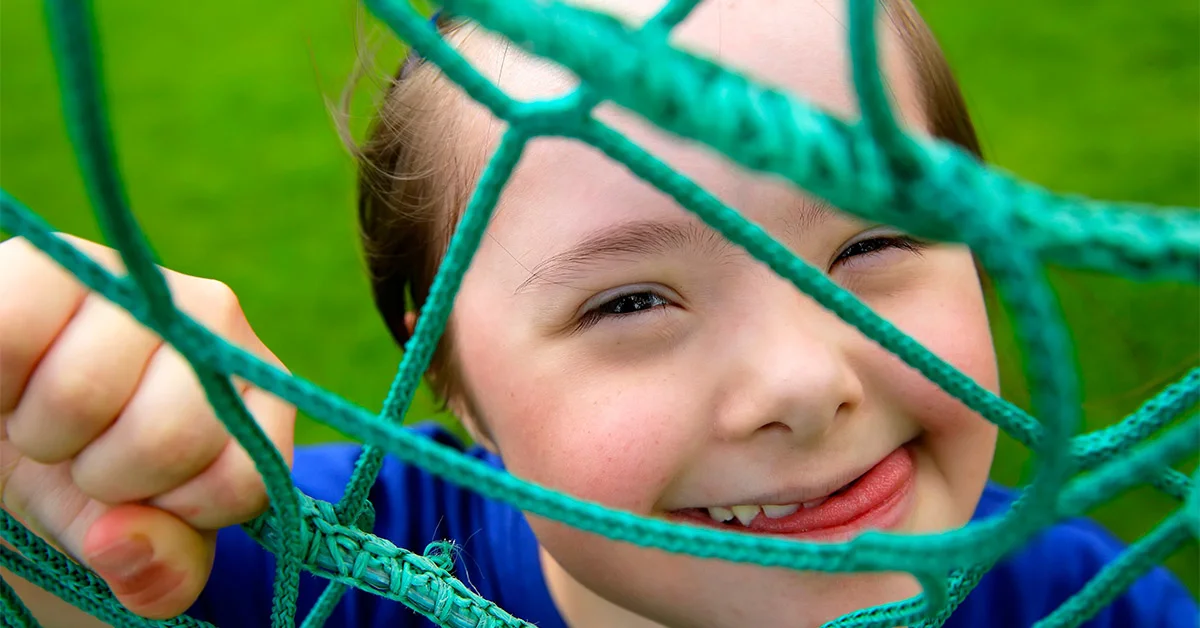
(947, 315)
(595, 435)
(949, 318)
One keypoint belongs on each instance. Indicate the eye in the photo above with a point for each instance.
(623, 306)
(876, 245)
(631, 303)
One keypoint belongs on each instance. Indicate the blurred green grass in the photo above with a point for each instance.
(236, 172)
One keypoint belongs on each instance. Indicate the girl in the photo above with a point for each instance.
(604, 343)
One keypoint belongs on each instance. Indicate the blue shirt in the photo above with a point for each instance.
(499, 558)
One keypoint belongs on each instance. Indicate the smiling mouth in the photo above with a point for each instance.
(879, 499)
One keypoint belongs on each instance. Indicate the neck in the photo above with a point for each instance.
(580, 607)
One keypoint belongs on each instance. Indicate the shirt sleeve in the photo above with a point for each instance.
(1054, 566)
(1158, 598)
(412, 509)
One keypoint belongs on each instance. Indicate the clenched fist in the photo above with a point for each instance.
(108, 447)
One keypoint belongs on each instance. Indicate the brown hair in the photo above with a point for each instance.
(411, 190)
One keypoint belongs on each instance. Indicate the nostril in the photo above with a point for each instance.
(776, 427)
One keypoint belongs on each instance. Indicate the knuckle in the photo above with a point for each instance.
(74, 394)
(107, 257)
(174, 450)
(222, 311)
(74, 400)
(214, 304)
(159, 449)
(14, 248)
(227, 493)
(19, 252)
(21, 264)
(240, 494)
(140, 459)
(95, 478)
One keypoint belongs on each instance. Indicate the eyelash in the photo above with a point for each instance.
(862, 248)
(876, 245)
(594, 315)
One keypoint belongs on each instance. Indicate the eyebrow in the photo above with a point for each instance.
(638, 239)
(649, 237)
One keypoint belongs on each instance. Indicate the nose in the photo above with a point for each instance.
(789, 368)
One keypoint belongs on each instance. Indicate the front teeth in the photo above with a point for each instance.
(719, 514)
(745, 514)
(778, 512)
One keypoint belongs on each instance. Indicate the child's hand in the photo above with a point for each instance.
(108, 446)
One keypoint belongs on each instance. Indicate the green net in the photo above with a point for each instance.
(869, 168)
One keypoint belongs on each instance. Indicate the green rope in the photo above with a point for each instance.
(1160, 410)
(1115, 577)
(872, 169)
(47, 568)
(1118, 476)
(15, 613)
(370, 461)
(71, 27)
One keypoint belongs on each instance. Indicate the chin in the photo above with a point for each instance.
(773, 598)
(687, 592)
(684, 591)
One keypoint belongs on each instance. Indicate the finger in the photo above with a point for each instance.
(29, 325)
(155, 564)
(166, 434)
(82, 382)
(160, 583)
(232, 491)
(42, 497)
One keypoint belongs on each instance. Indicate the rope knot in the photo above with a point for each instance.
(442, 554)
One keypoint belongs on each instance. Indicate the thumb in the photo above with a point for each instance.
(155, 564)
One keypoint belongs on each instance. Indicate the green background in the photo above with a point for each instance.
(223, 123)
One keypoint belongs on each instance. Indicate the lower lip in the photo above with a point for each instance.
(879, 500)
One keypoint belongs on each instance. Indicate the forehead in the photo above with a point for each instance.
(797, 45)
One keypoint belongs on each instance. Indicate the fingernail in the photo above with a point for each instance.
(123, 559)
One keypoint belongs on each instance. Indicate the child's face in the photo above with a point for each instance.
(619, 350)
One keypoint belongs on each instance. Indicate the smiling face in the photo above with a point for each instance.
(621, 351)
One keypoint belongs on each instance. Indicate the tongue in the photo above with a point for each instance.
(851, 502)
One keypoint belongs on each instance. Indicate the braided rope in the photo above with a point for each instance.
(871, 169)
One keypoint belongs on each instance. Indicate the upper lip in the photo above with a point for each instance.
(799, 495)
